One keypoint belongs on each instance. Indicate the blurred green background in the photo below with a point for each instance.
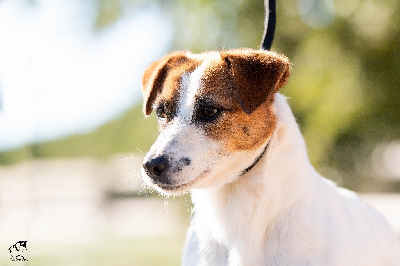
(344, 87)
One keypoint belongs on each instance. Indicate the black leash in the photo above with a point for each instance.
(269, 24)
(269, 31)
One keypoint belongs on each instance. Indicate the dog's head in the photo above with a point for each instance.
(215, 112)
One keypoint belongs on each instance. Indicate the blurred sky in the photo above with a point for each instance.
(58, 76)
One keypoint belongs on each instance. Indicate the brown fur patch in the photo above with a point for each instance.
(256, 75)
(218, 84)
(241, 131)
(241, 82)
(244, 82)
(164, 76)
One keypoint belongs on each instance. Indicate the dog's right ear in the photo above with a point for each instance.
(154, 77)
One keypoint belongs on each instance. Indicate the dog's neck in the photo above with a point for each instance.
(281, 178)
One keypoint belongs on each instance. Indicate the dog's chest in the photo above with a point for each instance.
(236, 228)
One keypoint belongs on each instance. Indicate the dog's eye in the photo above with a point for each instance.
(161, 112)
(209, 113)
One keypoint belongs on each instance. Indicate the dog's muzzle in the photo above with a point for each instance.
(156, 168)
(163, 169)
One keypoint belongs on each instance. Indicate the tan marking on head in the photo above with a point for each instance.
(244, 83)
(256, 75)
(163, 77)
(238, 130)
(218, 84)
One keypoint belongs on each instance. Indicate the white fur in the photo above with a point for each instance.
(210, 165)
(283, 212)
(191, 84)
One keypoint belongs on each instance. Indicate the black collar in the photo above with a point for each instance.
(255, 161)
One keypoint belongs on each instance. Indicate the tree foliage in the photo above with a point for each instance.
(345, 78)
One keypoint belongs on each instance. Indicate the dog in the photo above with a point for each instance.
(229, 137)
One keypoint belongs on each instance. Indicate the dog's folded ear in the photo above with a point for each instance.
(256, 75)
(154, 77)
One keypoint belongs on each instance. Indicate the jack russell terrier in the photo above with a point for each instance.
(231, 139)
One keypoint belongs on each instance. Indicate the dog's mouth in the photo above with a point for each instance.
(179, 187)
(173, 180)
(171, 187)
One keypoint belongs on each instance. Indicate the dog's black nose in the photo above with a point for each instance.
(156, 167)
